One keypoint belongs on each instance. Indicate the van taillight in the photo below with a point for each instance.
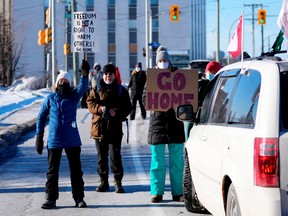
(266, 162)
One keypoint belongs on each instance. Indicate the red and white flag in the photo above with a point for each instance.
(236, 44)
(282, 20)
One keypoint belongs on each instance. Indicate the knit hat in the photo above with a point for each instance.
(162, 54)
(97, 65)
(63, 74)
(213, 67)
(138, 65)
(109, 68)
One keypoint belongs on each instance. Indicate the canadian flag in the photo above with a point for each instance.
(235, 45)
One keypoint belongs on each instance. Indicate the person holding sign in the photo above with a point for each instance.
(110, 105)
(61, 109)
(164, 129)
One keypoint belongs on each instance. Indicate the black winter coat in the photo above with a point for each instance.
(164, 128)
(137, 83)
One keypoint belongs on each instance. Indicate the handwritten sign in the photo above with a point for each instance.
(84, 35)
(165, 89)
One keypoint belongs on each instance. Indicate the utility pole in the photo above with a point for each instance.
(262, 36)
(253, 6)
(218, 33)
(53, 15)
(66, 39)
(150, 40)
(75, 54)
(48, 51)
(147, 32)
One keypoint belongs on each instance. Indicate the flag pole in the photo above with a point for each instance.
(242, 41)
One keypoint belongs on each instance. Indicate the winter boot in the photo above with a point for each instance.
(49, 204)
(143, 114)
(104, 185)
(118, 184)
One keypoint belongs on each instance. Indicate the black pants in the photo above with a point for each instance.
(76, 174)
(114, 150)
(142, 107)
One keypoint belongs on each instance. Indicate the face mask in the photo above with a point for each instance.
(64, 88)
(162, 65)
(137, 69)
(210, 76)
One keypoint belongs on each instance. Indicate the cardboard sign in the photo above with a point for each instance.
(165, 89)
(84, 34)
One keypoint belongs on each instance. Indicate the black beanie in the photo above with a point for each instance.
(109, 68)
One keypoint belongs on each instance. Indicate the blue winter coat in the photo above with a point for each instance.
(63, 131)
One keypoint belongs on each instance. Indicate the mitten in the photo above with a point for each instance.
(85, 67)
(173, 68)
(39, 143)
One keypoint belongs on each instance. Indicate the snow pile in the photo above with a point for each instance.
(27, 83)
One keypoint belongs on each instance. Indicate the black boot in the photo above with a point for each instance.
(143, 113)
(49, 204)
(118, 184)
(104, 185)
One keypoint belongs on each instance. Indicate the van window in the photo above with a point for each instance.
(222, 97)
(245, 99)
(205, 107)
(284, 99)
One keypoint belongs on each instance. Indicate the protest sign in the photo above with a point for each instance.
(84, 34)
(165, 89)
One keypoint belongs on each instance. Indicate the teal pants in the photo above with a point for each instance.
(158, 169)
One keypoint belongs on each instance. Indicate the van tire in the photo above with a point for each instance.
(191, 201)
(233, 207)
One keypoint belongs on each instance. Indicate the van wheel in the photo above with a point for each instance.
(232, 208)
(191, 201)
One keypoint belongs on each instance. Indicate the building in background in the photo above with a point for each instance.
(121, 31)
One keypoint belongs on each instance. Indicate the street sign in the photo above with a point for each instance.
(154, 44)
(84, 34)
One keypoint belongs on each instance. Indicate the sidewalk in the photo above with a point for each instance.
(15, 124)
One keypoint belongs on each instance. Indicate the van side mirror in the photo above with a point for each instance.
(185, 112)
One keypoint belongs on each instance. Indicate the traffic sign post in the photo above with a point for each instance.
(154, 45)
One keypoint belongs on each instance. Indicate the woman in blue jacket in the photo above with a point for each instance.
(61, 107)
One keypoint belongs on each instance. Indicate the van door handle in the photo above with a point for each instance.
(203, 138)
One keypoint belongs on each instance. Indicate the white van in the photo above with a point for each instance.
(236, 160)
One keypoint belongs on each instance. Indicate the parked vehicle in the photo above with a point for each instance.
(236, 160)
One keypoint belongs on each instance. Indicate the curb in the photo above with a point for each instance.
(15, 132)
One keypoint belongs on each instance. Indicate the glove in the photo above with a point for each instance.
(39, 143)
(85, 67)
(173, 68)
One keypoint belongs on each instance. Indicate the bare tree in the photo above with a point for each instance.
(9, 52)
